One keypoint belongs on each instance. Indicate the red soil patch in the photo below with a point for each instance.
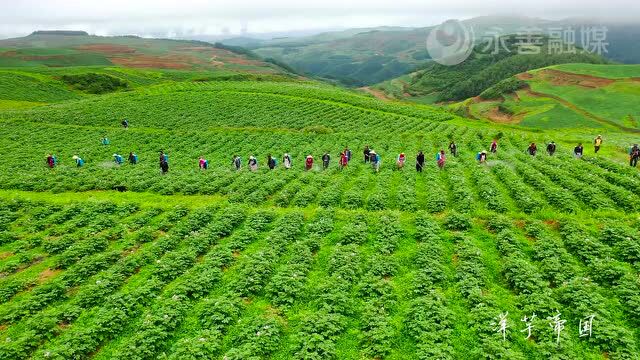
(498, 116)
(109, 49)
(5, 255)
(9, 54)
(160, 62)
(524, 76)
(561, 78)
(376, 93)
(552, 223)
(48, 274)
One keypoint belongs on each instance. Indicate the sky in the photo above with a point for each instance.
(184, 18)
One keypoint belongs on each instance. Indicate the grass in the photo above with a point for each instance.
(388, 265)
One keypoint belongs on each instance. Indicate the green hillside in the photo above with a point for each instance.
(366, 57)
(564, 96)
(64, 49)
(483, 69)
(111, 261)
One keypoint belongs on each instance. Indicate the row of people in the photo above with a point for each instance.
(370, 156)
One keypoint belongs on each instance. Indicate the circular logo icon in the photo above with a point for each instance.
(450, 43)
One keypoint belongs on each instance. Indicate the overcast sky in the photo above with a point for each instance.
(201, 17)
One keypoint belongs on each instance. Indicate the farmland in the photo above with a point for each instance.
(565, 96)
(111, 261)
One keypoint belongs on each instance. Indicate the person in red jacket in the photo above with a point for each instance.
(308, 164)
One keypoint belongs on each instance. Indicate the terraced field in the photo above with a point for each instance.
(567, 96)
(120, 262)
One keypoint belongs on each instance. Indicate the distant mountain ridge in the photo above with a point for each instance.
(360, 57)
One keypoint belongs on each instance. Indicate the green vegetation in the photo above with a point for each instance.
(93, 83)
(487, 67)
(564, 96)
(115, 261)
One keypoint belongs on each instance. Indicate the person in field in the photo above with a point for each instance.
(551, 148)
(117, 158)
(344, 160)
(578, 151)
(482, 157)
(253, 163)
(50, 161)
(440, 159)
(325, 160)
(271, 162)
(308, 163)
(420, 162)
(533, 149)
(125, 123)
(375, 161)
(453, 148)
(401, 160)
(133, 158)
(634, 155)
(79, 161)
(286, 160)
(163, 157)
(347, 153)
(237, 162)
(494, 146)
(203, 164)
(597, 143)
(164, 167)
(367, 154)
(105, 141)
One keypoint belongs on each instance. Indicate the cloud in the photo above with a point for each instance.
(213, 17)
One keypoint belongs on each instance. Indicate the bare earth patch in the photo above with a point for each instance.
(161, 62)
(47, 274)
(562, 78)
(109, 49)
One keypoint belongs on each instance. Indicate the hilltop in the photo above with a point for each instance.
(64, 49)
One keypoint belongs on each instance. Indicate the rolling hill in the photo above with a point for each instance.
(484, 68)
(119, 261)
(364, 57)
(570, 95)
(64, 49)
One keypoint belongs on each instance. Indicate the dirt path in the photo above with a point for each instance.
(377, 93)
(581, 111)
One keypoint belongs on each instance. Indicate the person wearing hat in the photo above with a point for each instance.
(551, 148)
(308, 163)
(286, 160)
(401, 160)
(253, 163)
(51, 161)
(482, 156)
(117, 159)
(597, 143)
(375, 160)
(79, 161)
